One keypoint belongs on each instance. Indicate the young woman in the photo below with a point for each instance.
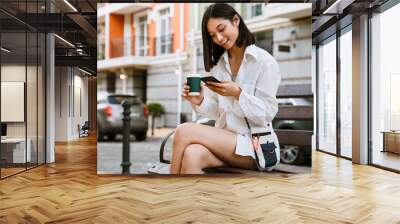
(249, 81)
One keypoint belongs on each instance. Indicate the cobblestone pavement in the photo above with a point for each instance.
(142, 154)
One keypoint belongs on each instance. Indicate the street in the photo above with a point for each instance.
(142, 154)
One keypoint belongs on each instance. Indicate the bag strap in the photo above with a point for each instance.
(248, 125)
(256, 134)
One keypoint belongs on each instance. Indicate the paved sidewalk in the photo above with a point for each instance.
(160, 132)
(142, 154)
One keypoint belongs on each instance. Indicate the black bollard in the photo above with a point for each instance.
(126, 137)
(153, 118)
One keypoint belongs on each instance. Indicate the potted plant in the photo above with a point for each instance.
(156, 110)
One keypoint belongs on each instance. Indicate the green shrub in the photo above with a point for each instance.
(156, 109)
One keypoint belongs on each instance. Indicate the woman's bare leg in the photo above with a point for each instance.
(219, 142)
(197, 157)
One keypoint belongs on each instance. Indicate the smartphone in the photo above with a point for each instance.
(210, 79)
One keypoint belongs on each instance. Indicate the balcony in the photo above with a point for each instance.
(139, 46)
(137, 51)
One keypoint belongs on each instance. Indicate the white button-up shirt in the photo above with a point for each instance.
(259, 79)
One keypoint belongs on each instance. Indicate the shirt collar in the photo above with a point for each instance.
(250, 51)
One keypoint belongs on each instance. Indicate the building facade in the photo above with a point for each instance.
(156, 45)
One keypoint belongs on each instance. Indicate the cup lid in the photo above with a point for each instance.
(193, 75)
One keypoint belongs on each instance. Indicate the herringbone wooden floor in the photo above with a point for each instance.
(69, 191)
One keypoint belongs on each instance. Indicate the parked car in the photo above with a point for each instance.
(292, 154)
(109, 117)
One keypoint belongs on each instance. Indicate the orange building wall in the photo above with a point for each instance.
(116, 32)
(186, 24)
(175, 27)
(152, 34)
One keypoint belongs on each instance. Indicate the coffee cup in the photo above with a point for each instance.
(194, 83)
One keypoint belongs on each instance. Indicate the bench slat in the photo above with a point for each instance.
(294, 91)
(294, 137)
(295, 112)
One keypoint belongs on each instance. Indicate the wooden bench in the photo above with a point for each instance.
(300, 138)
(294, 112)
(286, 137)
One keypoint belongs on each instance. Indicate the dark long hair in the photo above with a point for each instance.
(212, 52)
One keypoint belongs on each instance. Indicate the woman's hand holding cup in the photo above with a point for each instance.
(193, 90)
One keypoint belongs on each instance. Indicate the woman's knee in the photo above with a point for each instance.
(194, 157)
(183, 131)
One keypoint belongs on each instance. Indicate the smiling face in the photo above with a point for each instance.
(224, 32)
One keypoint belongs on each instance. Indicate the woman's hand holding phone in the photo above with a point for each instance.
(196, 100)
(225, 88)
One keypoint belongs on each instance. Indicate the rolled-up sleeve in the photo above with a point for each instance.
(209, 106)
(262, 106)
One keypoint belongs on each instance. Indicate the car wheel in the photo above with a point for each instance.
(141, 136)
(292, 154)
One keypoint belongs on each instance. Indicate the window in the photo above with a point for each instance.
(111, 82)
(142, 37)
(200, 60)
(22, 76)
(101, 41)
(394, 102)
(385, 88)
(254, 10)
(264, 40)
(346, 94)
(327, 96)
(164, 41)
